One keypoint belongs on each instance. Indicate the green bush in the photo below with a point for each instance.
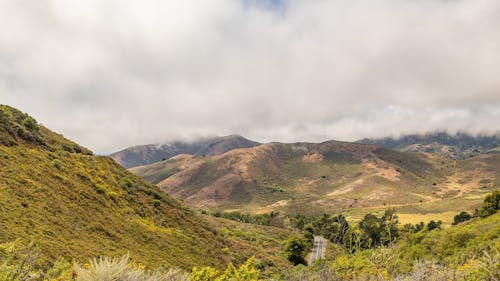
(490, 204)
(245, 272)
(296, 248)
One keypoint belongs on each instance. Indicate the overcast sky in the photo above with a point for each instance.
(114, 73)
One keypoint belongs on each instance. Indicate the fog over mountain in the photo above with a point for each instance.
(112, 74)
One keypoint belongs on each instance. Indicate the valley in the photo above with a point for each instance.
(329, 177)
(250, 213)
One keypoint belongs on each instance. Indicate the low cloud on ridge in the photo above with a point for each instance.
(110, 74)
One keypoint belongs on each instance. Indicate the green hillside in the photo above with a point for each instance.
(76, 205)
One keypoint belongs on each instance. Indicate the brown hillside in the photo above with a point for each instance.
(325, 177)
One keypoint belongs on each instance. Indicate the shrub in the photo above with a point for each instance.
(490, 204)
(463, 216)
(57, 163)
(245, 272)
(296, 248)
(18, 262)
(119, 269)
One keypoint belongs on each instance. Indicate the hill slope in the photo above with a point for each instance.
(457, 146)
(146, 154)
(330, 176)
(76, 205)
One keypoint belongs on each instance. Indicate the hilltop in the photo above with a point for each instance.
(333, 176)
(458, 146)
(146, 154)
(76, 205)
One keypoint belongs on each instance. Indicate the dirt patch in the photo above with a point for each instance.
(314, 157)
(381, 169)
(348, 187)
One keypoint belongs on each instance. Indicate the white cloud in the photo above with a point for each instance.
(110, 74)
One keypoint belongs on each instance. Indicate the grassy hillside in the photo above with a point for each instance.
(76, 205)
(329, 177)
(467, 251)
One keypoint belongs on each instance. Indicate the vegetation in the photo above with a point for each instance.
(75, 205)
(61, 205)
(269, 219)
(461, 217)
(311, 179)
(491, 204)
(296, 248)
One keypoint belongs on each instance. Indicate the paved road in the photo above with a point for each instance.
(318, 250)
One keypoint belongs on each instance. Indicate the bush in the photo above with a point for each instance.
(490, 204)
(18, 262)
(57, 163)
(119, 269)
(463, 216)
(245, 272)
(296, 248)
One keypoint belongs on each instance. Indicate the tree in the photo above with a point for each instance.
(308, 233)
(434, 225)
(379, 231)
(463, 216)
(390, 231)
(490, 204)
(371, 229)
(296, 248)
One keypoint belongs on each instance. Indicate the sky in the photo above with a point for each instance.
(109, 74)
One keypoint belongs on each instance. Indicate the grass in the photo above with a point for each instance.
(247, 240)
(76, 205)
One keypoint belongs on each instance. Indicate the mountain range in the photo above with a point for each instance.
(146, 154)
(324, 177)
(458, 146)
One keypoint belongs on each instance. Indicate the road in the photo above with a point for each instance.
(318, 250)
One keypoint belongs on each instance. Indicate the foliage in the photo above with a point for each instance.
(433, 225)
(17, 128)
(329, 226)
(245, 272)
(461, 217)
(18, 262)
(77, 206)
(296, 248)
(379, 231)
(246, 240)
(118, 269)
(268, 219)
(490, 204)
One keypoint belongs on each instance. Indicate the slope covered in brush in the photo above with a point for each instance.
(76, 205)
(331, 176)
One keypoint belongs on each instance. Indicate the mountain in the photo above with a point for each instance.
(146, 154)
(336, 176)
(77, 205)
(457, 146)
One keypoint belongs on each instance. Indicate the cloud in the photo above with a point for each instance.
(109, 74)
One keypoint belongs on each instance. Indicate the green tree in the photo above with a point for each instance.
(434, 225)
(490, 204)
(463, 216)
(296, 248)
(308, 233)
(371, 229)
